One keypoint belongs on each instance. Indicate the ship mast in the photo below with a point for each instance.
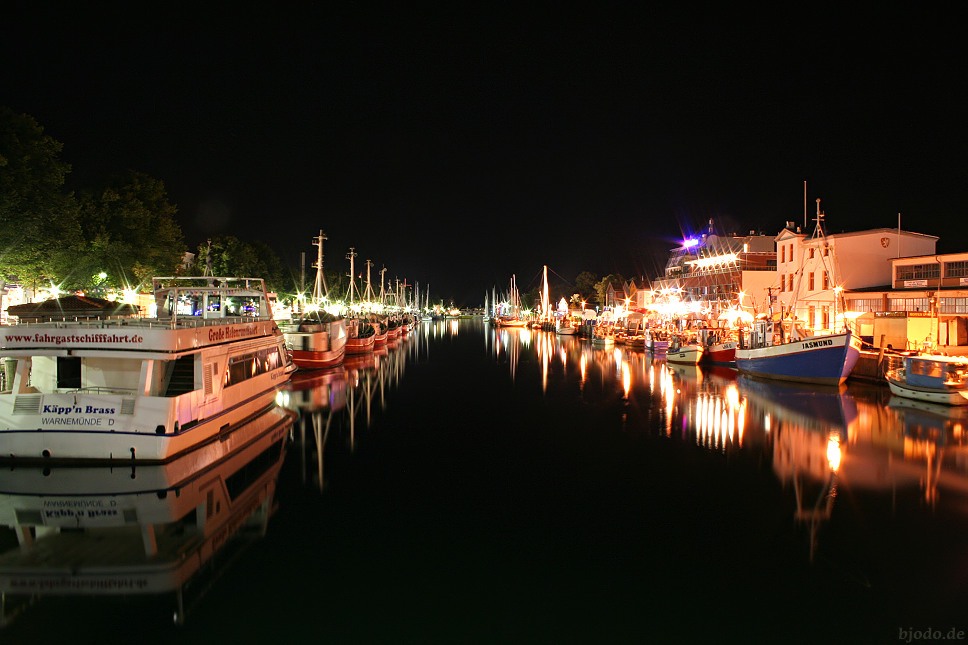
(368, 295)
(320, 290)
(352, 289)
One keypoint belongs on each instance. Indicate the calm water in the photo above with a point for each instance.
(492, 486)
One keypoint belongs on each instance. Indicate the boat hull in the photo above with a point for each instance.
(635, 342)
(721, 353)
(929, 395)
(361, 345)
(687, 355)
(317, 346)
(824, 360)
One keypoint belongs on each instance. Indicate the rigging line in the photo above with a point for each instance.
(569, 282)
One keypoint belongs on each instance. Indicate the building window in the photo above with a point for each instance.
(909, 304)
(812, 252)
(956, 269)
(918, 271)
(954, 306)
(810, 282)
(826, 280)
(865, 304)
(782, 254)
(790, 282)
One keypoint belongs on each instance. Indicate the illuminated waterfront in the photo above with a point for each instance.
(482, 485)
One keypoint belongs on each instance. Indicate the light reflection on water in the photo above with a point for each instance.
(544, 490)
(818, 439)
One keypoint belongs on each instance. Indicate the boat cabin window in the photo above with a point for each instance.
(249, 365)
(68, 372)
(934, 369)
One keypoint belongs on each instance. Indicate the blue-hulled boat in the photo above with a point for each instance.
(787, 349)
(826, 359)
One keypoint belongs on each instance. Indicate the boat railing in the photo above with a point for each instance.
(181, 321)
(101, 389)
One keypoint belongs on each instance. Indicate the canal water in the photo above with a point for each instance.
(481, 485)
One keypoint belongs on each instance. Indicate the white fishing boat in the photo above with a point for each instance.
(931, 378)
(686, 350)
(144, 530)
(139, 389)
(316, 338)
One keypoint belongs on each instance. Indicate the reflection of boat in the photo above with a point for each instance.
(686, 372)
(721, 372)
(933, 379)
(937, 420)
(140, 389)
(806, 406)
(142, 530)
(315, 390)
(361, 362)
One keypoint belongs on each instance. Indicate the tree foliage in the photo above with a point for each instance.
(614, 280)
(586, 284)
(130, 232)
(230, 256)
(39, 225)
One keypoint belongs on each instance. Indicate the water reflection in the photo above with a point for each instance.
(338, 399)
(140, 530)
(819, 441)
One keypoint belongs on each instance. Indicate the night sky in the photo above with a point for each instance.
(457, 144)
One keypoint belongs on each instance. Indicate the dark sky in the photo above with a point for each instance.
(457, 144)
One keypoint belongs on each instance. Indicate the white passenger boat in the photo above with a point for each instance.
(138, 389)
(930, 378)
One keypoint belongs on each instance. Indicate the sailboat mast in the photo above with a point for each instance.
(545, 304)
